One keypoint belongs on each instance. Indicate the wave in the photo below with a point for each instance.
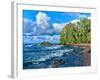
(45, 55)
(29, 45)
(58, 53)
(54, 47)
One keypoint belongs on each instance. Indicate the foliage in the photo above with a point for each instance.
(79, 32)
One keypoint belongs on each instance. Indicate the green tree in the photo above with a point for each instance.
(78, 32)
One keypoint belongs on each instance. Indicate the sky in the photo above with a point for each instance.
(47, 25)
(48, 22)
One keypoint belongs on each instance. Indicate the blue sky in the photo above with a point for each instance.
(48, 23)
(55, 16)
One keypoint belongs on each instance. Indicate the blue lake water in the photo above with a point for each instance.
(52, 56)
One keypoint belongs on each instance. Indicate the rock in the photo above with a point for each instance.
(56, 63)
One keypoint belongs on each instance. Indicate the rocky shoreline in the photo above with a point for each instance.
(81, 57)
(86, 52)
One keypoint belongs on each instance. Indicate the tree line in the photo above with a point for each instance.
(78, 32)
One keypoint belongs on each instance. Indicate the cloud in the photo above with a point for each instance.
(58, 27)
(42, 20)
(89, 18)
(42, 25)
(27, 21)
(82, 16)
(77, 15)
(74, 21)
(35, 28)
(41, 38)
(77, 20)
(27, 25)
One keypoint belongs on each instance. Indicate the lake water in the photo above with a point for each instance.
(52, 56)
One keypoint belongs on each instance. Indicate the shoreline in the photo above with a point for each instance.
(79, 45)
(86, 52)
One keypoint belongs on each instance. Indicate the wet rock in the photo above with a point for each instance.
(56, 62)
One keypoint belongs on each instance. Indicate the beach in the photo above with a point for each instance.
(86, 52)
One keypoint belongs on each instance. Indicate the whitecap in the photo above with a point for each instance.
(54, 47)
(28, 45)
(57, 53)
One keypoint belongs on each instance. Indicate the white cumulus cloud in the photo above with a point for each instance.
(58, 26)
(42, 20)
(74, 21)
